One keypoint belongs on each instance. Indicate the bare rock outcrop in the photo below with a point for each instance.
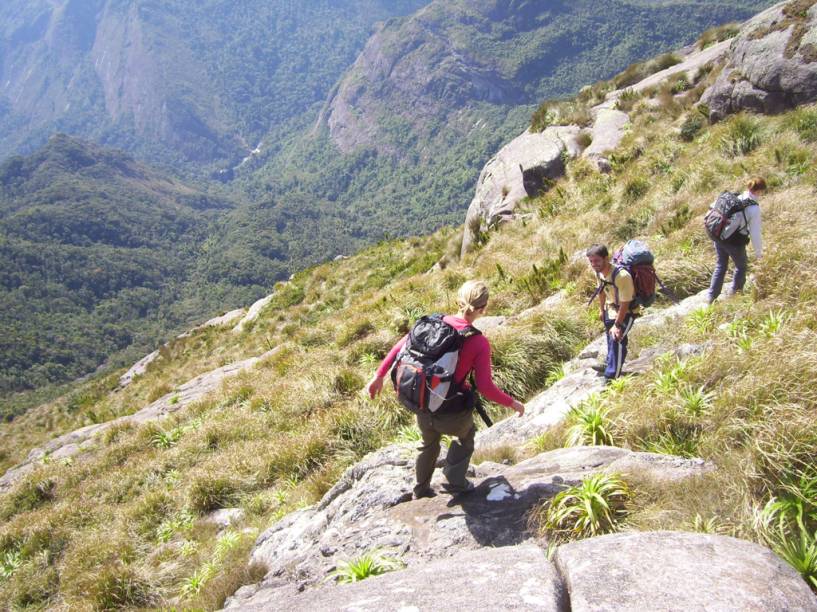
(371, 507)
(508, 578)
(679, 571)
(772, 65)
(522, 168)
(253, 313)
(137, 369)
(550, 407)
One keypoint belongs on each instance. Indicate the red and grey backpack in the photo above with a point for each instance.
(726, 219)
(636, 258)
(423, 373)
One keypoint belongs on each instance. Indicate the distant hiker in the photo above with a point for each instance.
(442, 399)
(618, 307)
(731, 222)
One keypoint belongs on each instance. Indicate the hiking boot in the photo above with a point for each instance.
(424, 492)
(456, 489)
(599, 367)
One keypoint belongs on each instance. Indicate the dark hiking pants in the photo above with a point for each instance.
(432, 427)
(725, 251)
(616, 349)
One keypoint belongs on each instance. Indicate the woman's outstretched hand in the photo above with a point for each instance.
(374, 387)
(519, 407)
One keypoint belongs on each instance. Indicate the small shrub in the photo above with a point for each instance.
(679, 220)
(691, 126)
(372, 563)
(594, 507)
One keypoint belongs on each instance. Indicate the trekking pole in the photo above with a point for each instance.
(480, 408)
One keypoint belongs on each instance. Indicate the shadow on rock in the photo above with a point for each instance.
(496, 513)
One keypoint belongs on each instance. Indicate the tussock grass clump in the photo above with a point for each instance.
(523, 359)
(718, 34)
(210, 492)
(742, 136)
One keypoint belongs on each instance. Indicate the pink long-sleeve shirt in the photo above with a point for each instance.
(475, 356)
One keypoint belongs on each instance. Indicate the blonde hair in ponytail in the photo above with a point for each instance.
(472, 296)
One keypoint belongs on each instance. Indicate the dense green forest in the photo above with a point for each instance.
(97, 254)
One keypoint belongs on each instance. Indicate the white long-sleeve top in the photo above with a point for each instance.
(753, 223)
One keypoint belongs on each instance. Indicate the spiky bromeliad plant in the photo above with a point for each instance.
(589, 424)
(371, 563)
(594, 507)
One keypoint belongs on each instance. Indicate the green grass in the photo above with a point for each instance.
(371, 563)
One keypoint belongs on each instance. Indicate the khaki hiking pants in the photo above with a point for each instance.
(432, 427)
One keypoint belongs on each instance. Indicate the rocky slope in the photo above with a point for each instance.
(772, 65)
(191, 82)
(421, 72)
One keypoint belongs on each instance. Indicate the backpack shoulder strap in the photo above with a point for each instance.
(469, 331)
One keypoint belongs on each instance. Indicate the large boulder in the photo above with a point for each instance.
(371, 508)
(772, 65)
(512, 577)
(679, 571)
(522, 168)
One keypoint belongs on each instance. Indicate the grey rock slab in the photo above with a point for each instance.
(226, 517)
(371, 507)
(758, 75)
(252, 313)
(608, 129)
(486, 324)
(137, 369)
(520, 169)
(671, 571)
(509, 578)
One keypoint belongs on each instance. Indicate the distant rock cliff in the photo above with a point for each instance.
(772, 65)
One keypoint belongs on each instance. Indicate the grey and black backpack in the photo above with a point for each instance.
(726, 220)
(423, 373)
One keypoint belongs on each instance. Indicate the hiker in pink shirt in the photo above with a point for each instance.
(474, 356)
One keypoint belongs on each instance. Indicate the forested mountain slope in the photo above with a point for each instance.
(400, 141)
(97, 253)
(198, 84)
